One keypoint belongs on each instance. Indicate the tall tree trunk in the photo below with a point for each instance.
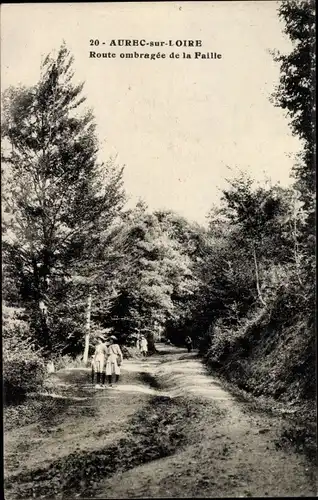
(151, 343)
(296, 246)
(151, 337)
(257, 278)
(41, 310)
(88, 327)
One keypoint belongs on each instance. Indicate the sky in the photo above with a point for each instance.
(180, 126)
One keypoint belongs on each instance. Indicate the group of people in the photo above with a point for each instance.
(142, 344)
(106, 362)
(108, 358)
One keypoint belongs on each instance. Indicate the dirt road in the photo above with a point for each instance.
(168, 430)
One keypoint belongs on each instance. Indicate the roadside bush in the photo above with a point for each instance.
(271, 351)
(23, 367)
(23, 370)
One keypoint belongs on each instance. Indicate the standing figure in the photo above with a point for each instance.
(114, 360)
(188, 343)
(143, 346)
(50, 367)
(98, 363)
(138, 342)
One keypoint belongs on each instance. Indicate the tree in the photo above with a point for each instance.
(245, 256)
(191, 241)
(156, 279)
(58, 197)
(295, 92)
(258, 215)
(296, 95)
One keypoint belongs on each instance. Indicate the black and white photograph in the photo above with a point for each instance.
(158, 175)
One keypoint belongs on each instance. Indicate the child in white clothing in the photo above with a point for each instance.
(98, 363)
(114, 360)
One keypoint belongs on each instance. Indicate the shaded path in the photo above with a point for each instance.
(230, 451)
(234, 455)
(72, 417)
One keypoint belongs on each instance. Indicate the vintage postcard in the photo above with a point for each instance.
(158, 249)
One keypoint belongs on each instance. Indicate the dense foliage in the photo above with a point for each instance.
(23, 366)
(295, 92)
(58, 199)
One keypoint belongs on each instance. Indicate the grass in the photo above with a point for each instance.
(149, 379)
(154, 432)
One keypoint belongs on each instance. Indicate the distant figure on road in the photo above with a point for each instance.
(114, 360)
(188, 343)
(143, 346)
(50, 367)
(138, 342)
(98, 363)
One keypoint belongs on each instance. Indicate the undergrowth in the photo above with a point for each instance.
(302, 439)
(23, 365)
